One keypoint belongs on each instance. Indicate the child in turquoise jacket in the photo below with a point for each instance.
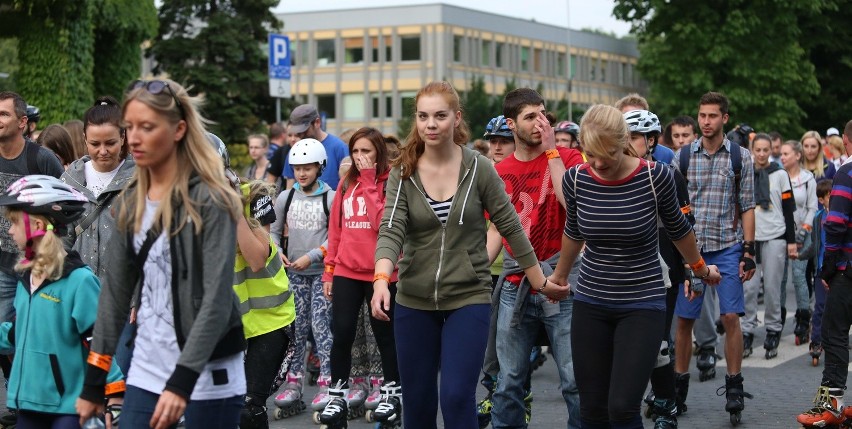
(56, 304)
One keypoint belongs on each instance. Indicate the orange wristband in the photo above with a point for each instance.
(807, 227)
(329, 269)
(101, 361)
(698, 265)
(381, 276)
(552, 153)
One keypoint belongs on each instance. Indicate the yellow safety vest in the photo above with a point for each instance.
(266, 301)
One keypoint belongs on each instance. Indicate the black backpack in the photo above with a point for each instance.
(736, 165)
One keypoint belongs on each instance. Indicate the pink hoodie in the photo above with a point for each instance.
(353, 228)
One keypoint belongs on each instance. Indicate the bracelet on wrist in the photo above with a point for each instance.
(381, 276)
(698, 264)
(748, 247)
(552, 154)
(705, 275)
(544, 285)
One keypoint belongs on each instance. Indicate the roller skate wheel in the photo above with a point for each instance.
(368, 416)
(649, 413)
(316, 418)
(278, 414)
(815, 361)
(798, 341)
(735, 418)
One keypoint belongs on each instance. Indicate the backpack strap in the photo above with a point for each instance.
(683, 161)
(325, 206)
(32, 157)
(737, 165)
(285, 240)
(92, 216)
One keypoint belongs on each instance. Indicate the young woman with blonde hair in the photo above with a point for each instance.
(176, 226)
(813, 158)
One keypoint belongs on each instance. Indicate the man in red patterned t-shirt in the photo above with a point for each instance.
(533, 179)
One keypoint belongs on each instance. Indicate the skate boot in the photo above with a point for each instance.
(8, 421)
(373, 398)
(771, 343)
(816, 352)
(649, 401)
(828, 410)
(483, 408)
(528, 400)
(666, 413)
(322, 397)
(681, 391)
(335, 412)
(358, 390)
(802, 331)
(748, 340)
(389, 412)
(253, 416)
(289, 402)
(706, 363)
(537, 358)
(734, 393)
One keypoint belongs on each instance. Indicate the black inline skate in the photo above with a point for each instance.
(388, 414)
(771, 342)
(335, 414)
(665, 411)
(734, 393)
(802, 331)
(816, 352)
(681, 391)
(253, 416)
(649, 402)
(706, 363)
(748, 340)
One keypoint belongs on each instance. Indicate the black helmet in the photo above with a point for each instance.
(33, 114)
(47, 196)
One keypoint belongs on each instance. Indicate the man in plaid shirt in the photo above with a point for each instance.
(724, 227)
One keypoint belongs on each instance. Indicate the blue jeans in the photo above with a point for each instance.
(451, 342)
(513, 352)
(139, 406)
(800, 285)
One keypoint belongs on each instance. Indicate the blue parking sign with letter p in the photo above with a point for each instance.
(279, 56)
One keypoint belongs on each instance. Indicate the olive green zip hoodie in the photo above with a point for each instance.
(445, 267)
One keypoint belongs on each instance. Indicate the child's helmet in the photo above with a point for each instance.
(44, 195)
(308, 151)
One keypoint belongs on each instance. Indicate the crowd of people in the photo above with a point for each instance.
(398, 272)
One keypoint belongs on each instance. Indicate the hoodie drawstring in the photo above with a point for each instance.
(395, 201)
(467, 194)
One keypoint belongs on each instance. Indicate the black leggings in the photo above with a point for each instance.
(264, 357)
(347, 297)
(619, 350)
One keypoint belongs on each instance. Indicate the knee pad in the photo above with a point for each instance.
(663, 357)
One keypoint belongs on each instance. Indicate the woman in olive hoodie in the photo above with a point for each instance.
(437, 193)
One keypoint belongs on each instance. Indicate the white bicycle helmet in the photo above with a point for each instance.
(46, 196)
(308, 151)
(642, 121)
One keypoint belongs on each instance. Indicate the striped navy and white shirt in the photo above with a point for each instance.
(441, 208)
(618, 222)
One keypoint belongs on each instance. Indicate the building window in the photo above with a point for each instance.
(325, 104)
(407, 103)
(353, 106)
(410, 48)
(377, 101)
(486, 53)
(622, 74)
(525, 58)
(353, 50)
(325, 52)
(498, 54)
(560, 64)
(573, 66)
(457, 48)
(384, 54)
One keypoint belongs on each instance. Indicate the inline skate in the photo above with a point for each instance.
(735, 395)
(706, 363)
(322, 397)
(537, 358)
(357, 396)
(289, 402)
(748, 341)
(253, 415)
(483, 408)
(336, 411)
(802, 331)
(681, 391)
(665, 413)
(816, 353)
(829, 411)
(771, 342)
(313, 368)
(373, 398)
(388, 414)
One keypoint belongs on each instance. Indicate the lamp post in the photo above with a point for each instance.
(568, 59)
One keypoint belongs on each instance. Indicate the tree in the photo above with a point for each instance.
(478, 107)
(8, 63)
(121, 28)
(748, 50)
(216, 47)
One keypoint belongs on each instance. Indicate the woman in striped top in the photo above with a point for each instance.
(613, 203)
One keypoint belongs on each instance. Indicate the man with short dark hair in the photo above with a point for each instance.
(683, 131)
(533, 180)
(723, 203)
(776, 140)
(18, 157)
(278, 136)
(305, 122)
